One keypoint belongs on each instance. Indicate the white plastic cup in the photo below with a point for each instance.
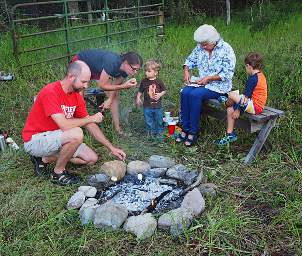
(167, 115)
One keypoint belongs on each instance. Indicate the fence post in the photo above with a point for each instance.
(138, 13)
(160, 26)
(14, 35)
(228, 12)
(106, 20)
(66, 26)
(89, 9)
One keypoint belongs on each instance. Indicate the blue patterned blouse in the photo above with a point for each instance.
(222, 63)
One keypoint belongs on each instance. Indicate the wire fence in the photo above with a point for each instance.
(55, 30)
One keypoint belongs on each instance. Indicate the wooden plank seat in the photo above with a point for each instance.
(261, 124)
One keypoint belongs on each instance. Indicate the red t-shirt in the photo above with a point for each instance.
(52, 100)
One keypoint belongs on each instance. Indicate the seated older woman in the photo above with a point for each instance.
(215, 61)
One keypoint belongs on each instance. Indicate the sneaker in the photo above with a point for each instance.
(227, 139)
(40, 168)
(223, 100)
(64, 178)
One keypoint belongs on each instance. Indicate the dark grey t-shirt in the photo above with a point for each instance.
(148, 87)
(98, 59)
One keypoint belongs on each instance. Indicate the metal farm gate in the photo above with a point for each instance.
(55, 30)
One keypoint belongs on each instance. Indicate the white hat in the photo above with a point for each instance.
(206, 34)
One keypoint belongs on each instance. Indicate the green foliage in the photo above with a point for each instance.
(182, 12)
(263, 13)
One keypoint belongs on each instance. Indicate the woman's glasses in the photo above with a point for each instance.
(133, 68)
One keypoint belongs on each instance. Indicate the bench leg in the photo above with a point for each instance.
(267, 146)
(260, 140)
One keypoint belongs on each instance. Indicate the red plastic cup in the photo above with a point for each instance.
(171, 129)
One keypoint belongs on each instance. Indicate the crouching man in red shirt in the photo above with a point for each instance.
(52, 132)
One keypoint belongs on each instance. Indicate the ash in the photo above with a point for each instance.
(137, 195)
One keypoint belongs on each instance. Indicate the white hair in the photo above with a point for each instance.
(206, 34)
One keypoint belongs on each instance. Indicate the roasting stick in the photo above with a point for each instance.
(157, 199)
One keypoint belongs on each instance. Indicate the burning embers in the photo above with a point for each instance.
(137, 196)
(158, 186)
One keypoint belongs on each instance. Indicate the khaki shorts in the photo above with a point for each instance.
(47, 144)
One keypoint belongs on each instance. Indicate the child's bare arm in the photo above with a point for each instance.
(138, 99)
(159, 95)
(229, 103)
(236, 114)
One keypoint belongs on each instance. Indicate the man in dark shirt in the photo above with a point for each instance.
(110, 70)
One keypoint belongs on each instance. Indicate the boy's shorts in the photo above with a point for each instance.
(48, 144)
(249, 106)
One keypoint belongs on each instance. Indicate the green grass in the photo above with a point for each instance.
(258, 208)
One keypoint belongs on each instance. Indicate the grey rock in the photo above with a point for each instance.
(143, 226)
(176, 220)
(87, 214)
(190, 177)
(208, 189)
(157, 161)
(110, 215)
(155, 172)
(179, 228)
(84, 188)
(100, 181)
(194, 202)
(90, 202)
(76, 200)
(100, 178)
(181, 172)
(89, 191)
(136, 167)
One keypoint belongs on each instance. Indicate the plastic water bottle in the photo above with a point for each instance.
(11, 143)
(2, 143)
(7, 77)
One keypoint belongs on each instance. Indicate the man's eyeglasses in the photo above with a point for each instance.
(133, 68)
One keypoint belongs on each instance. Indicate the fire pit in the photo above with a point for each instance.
(158, 187)
(146, 195)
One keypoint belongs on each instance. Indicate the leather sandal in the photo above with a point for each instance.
(181, 137)
(40, 168)
(64, 178)
(189, 142)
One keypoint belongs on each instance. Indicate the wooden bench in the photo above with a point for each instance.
(261, 124)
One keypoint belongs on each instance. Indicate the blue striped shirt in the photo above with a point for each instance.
(221, 63)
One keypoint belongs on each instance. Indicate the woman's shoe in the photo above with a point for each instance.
(181, 137)
(191, 140)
